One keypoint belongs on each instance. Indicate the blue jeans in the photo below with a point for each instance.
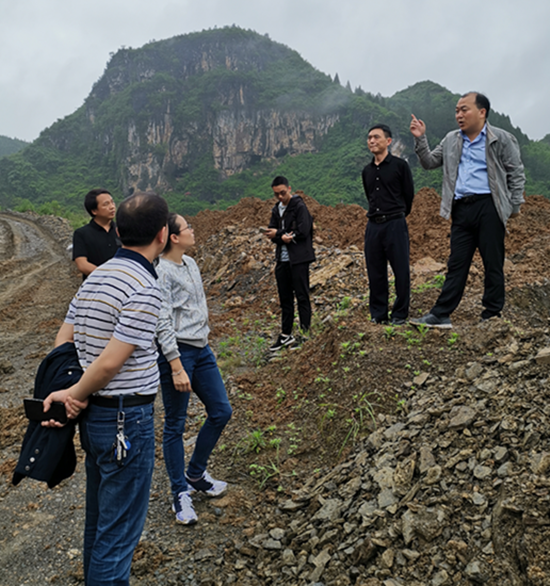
(117, 498)
(206, 382)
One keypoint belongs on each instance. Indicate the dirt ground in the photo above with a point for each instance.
(296, 417)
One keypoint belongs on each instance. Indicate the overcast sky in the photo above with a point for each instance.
(52, 52)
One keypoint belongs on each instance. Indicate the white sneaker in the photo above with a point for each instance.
(207, 485)
(183, 507)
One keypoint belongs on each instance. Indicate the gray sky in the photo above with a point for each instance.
(53, 51)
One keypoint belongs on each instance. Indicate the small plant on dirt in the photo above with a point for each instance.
(389, 332)
(362, 413)
(435, 283)
(453, 339)
(255, 441)
(280, 395)
(264, 473)
(344, 304)
(399, 403)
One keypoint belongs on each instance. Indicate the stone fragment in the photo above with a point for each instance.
(461, 416)
(330, 510)
(474, 370)
(500, 454)
(505, 470)
(384, 477)
(277, 533)
(433, 475)
(441, 578)
(543, 356)
(482, 472)
(393, 431)
(478, 499)
(515, 366)
(426, 459)
(288, 557)
(387, 558)
(420, 379)
(540, 463)
(386, 498)
(476, 572)
(272, 544)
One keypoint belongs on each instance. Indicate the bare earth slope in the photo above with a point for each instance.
(371, 456)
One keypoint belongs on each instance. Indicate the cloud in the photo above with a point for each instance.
(57, 50)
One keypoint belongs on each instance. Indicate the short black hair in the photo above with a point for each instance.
(482, 102)
(90, 200)
(384, 128)
(279, 180)
(140, 218)
(173, 228)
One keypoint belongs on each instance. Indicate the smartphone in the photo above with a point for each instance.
(34, 410)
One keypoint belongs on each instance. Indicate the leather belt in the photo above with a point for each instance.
(384, 219)
(467, 199)
(127, 400)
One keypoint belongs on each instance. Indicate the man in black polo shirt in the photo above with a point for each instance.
(389, 189)
(97, 241)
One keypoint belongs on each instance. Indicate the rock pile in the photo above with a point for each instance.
(454, 491)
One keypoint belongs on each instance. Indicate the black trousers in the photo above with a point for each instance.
(388, 242)
(293, 280)
(475, 225)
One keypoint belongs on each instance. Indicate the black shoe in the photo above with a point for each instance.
(379, 320)
(282, 341)
(432, 321)
(398, 321)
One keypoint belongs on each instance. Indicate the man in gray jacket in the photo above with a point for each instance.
(483, 182)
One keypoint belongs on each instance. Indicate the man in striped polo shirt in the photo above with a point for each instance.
(112, 321)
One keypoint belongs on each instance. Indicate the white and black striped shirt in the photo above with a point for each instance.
(120, 298)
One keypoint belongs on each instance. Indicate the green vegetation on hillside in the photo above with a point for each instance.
(8, 146)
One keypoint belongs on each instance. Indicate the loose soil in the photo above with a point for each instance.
(298, 417)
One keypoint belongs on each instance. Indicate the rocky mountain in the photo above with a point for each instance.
(210, 117)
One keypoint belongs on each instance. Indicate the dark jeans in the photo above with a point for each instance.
(206, 382)
(388, 242)
(293, 280)
(117, 498)
(475, 225)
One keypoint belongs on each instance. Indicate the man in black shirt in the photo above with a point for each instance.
(389, 189)
(97, 241)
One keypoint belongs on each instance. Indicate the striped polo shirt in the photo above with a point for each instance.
(120, 298)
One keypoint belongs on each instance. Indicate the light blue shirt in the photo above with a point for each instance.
(472, 169)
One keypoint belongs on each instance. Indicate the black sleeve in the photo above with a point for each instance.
(79, 245)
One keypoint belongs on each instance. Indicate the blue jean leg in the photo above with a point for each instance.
(206, 381)
(117, 498)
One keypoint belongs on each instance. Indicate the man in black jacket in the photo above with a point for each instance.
(291, 229)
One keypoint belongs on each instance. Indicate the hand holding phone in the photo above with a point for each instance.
(34, 410)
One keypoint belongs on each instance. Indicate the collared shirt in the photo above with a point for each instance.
(388, 186)
(472, 170)
(120, 299)
(95, 243)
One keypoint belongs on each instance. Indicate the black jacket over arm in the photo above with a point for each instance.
(48, 453)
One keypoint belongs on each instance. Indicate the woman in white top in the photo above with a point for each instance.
(186, 364)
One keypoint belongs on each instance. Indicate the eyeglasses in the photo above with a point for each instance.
(281, 193)
(188, 227)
